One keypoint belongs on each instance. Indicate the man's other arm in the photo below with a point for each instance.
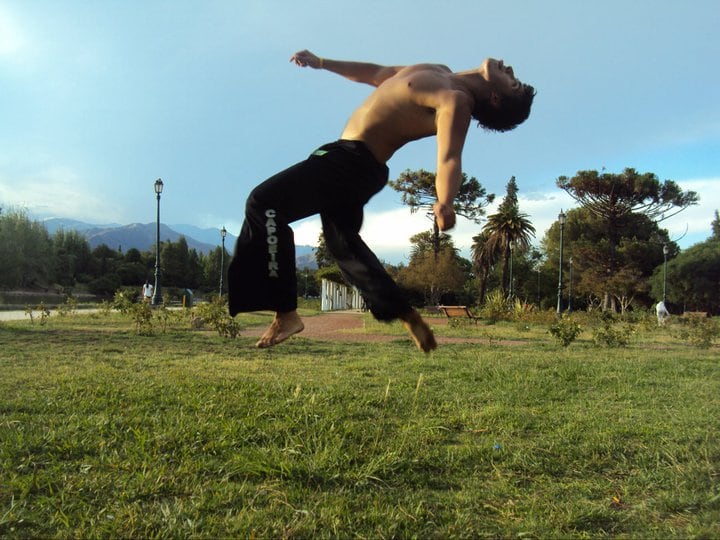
(452, 122)
(362, 72)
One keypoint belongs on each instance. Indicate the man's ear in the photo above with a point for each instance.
(495, 100)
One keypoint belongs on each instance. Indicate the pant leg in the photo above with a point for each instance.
(261, 274)
(341, 176)
(360, 266)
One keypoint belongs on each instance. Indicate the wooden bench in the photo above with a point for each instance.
(695, 314)
(458, 312)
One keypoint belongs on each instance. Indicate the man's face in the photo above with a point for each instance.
(500, 76)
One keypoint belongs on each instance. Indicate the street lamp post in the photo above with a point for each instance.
(223, 233)
(665, 254)
(157, 293)
(510, 285)
(561, 219)
(570, 262)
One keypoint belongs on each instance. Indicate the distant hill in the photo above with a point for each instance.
(142, 236)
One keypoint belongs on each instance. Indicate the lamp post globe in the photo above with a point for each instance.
(157, 293)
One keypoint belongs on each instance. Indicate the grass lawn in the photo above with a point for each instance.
(105, 433)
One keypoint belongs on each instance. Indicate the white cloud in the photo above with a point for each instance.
(57, 192)
(387, 232)
(693, 225)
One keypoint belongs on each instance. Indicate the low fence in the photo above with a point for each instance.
(339, 297)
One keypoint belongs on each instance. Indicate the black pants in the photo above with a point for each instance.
(336, 181)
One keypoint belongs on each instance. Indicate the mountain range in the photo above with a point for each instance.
(142, 236)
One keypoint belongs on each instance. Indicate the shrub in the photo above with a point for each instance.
(69, 307)
(122, 302)
(43, 313)
(699, 332)
(142, 315)
(565, 330)
(495, 307)
(215, 315)
(613, 333)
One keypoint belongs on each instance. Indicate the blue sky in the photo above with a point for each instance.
(100, 98)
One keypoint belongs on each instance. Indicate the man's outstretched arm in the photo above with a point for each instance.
(363, 72)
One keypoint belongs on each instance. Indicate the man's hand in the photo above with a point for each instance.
(306, 59)
(445, 215)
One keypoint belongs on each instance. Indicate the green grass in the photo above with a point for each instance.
(104, 433)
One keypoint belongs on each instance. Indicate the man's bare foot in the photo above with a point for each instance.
(283, 326)
(419, 331)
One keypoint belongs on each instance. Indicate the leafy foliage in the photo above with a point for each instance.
(30, 258)
(693, 278)
(434, 275)
(613, 332)
(614, 274)
(565, 330)
(700, 332)
(215, 315)
(419, 193)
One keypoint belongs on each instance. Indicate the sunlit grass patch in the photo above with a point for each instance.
(184, 433)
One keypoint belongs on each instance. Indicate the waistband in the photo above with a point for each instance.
(358, 148)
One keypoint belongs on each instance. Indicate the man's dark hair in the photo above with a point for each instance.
(513, 110)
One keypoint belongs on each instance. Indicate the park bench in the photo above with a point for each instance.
(458, 312)
(695, 314)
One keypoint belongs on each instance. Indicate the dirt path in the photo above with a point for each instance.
(330, 326)
(335, 325)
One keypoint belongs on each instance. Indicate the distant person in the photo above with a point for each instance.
(338, 179)
(662, 313)
(147, 292)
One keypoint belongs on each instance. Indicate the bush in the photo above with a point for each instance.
(565, 330)
(142, 315)
(613, 333)
(495, 308)
(215, 315)
(699, 332)
(104, 285)
(122, 302)
(69, 307)
(43, 313)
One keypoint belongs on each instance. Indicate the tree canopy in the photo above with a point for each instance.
(611, 195)
(434, 274)
(419, 193)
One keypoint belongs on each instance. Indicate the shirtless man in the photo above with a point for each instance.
(337, 180)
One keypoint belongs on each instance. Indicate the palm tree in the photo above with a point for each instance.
(484, 259)
(508, 228)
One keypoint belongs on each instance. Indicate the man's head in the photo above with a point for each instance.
(509, 100)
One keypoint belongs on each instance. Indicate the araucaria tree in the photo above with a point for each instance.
(418, 192)
(610, 196)
(621, 211)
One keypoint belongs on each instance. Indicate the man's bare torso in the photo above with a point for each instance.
(393, 114)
